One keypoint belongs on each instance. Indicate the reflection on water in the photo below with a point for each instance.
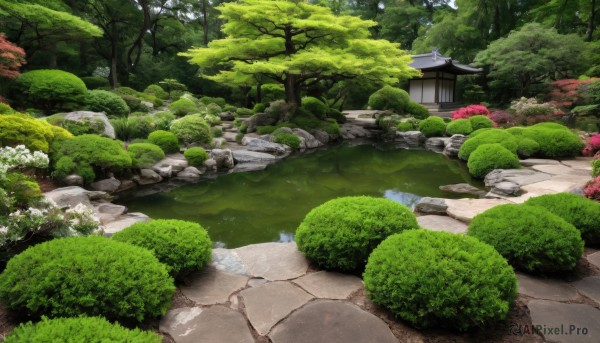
(267, 206)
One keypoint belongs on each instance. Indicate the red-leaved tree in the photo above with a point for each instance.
(568, 92)
(11, 58)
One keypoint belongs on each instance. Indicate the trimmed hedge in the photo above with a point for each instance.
(555, 140)
(341, 233)
(438, 279)
(192, 129)
(596, 167)
(432, 127)
(145, 155)
(183, 246)
(35, 134)
(195, 156)
(182, 107)
(417, 110)
(481, 122)
(315, 106)
(87, 276)
(530, 238)
(107, 102)
(459, 127)
(487, 136)
(166, 140)
(488, 157)
(575, 209)
(50, 90)
(389, 98)
(80, 329)
(527, 147)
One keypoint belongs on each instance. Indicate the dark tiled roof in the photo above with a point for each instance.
(436, 62)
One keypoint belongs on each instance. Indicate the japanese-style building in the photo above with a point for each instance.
(438, 83)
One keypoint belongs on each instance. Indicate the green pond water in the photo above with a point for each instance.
(267, 206)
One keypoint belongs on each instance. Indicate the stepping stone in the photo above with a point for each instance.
(581, 163)
(330, 285)
(228, 261)
(594, 259)
(554, 185)
(442, 223)
(519, 176)
(558, 169)
(273, 261)
(266, 305)
(559, 322)
(124, 221)
(547, 289)
(466, 209)
(537, 161)
(212, 286)
(590, 287)
(216, 324)
(332, 322)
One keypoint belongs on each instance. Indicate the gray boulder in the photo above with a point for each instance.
(246, 156)
(165, 171)
(148, 177)
(506, 188)
(210, 164)
(351, 131)
(73, 180)
(411, 138)
(431, 206)
(107, 185)
(520, 177)
(80, 116)
(223, 158)
(190, 173)
(260, 119)
(68, 197)
(321, 136)
(310, 142)
(227, 116)
(453, 145)
(177, 162)
(462, 188)
(259, 145)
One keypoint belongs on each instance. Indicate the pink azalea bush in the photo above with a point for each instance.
(592, 189)
(592, 147)
(469, 111)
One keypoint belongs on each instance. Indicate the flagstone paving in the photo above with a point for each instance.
(565, 323)
(442, 223)
(329, 285)
(547, 289)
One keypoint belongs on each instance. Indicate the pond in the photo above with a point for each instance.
(267, 206)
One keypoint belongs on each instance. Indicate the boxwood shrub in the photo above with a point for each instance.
(341, 233)
(438, 279)
(389, 98)
(596, 167)
(406, 126)
(459, 127)
(183, 246)
(577, 210)
(79, 329)
(166, 140)
(432, 126)
(417, 110)
(529, 237)
(107, 102)
(487, 136)
(157, 91)
(182, 107)
(35, 134)
(287, 138)
(488, 157)
(87, 276)
(481, 122)
(195, 156)
(315, 106)
(145, 155)
(192, 129)
(527, 147)
(555, 140)
(50, 90)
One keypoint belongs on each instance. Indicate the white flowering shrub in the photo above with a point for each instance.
(20, 157)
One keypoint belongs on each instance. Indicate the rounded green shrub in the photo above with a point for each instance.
(95, 82)
(417, 110)
(315, 106)
(182, 246)
(79, 329)
(432, 127)
(459, 127)
(244, 112)
(50, 90)
(555, 140)
(287, 138)
(481, 122)
(87, 276)
(489, 136)
(207, 100)
(182, 107)
(195, 156)
(192, 129)
(107, 102)
(596, 167)
(529, 237)
(337, 115)
(341, 233)
(87, 154)
(405, 126)
(166, 140)
(331, 126)
(145, 155)
(488, 157)
(527, 147)
(389, 98)
(438, 279)
(18, 129)
(575, 209)
(157, 91)
(259, 108)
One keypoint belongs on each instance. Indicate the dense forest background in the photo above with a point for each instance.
(136, 43)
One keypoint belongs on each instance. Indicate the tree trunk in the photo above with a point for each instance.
(258, 93)
(592, 22)
(292, 90)
(52, 51)
(205, 20)
(113, 57)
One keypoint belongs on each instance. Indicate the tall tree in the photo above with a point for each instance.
(11, 59)
(298, 44)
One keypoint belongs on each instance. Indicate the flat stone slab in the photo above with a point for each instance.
(547, 289)
(212, 286)
(594, 259)
(266, 305)
(466, 209)
(245, 156)
(554, 185)
(332, 321)
(462, 188)
(537, 161)
(558, 169)
(581, 163)
(216, 324)
(228, 261)
(590, 287)
(519, 176)
(273, 261)
(431, 205)
(559, 322)
(330, 285)
(442, 223)
(124, 221)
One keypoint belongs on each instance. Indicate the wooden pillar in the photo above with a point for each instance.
(437, 87)
(454, 88)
